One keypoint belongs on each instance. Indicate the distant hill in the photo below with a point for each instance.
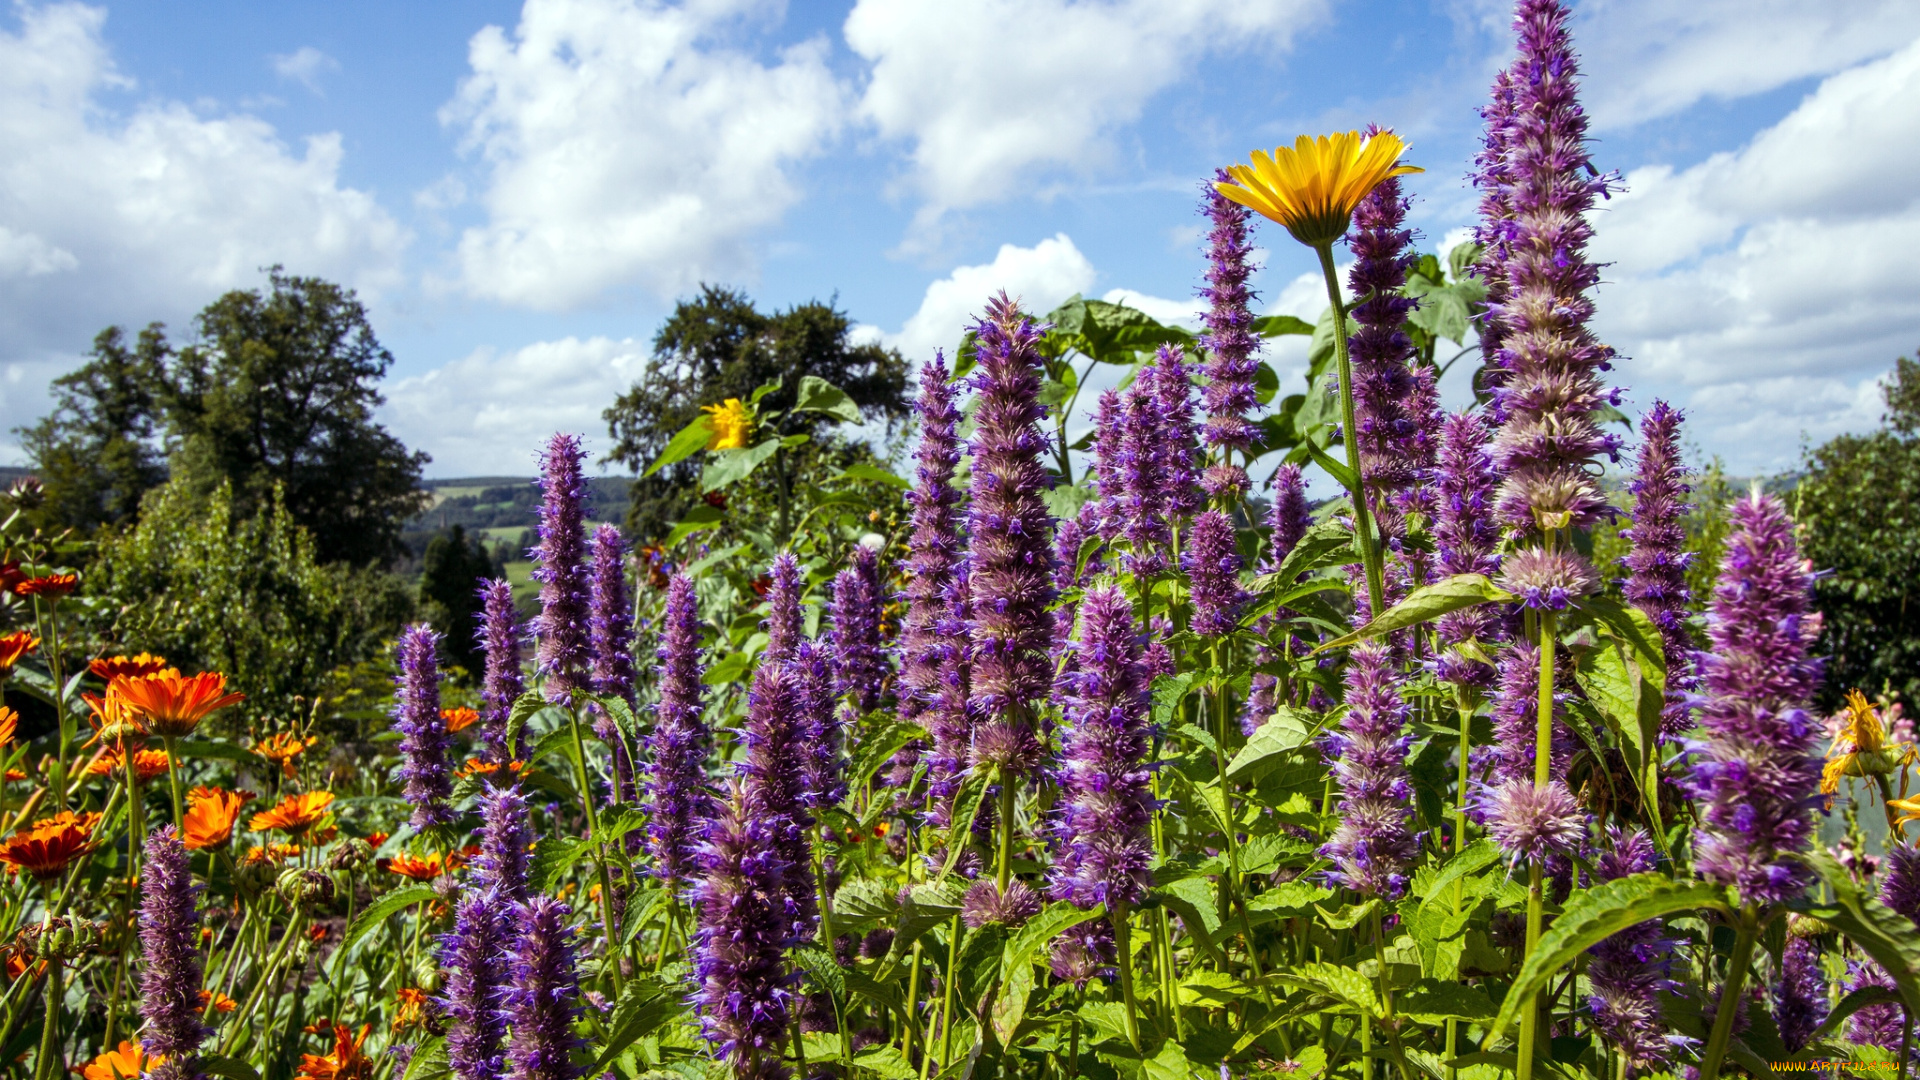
(502, 508)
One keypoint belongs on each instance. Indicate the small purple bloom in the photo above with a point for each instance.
(1374, 843)
(743, 989)
(676, 788)
(474, 957)
(1083, 953)
(1212, 563)
(503, 684)
(950, 715)
(861, 672)
(1465, 540)
(1875, 1025)
(169, 941)
(560, 565)
(774, 771)
(784, 632)
(1532, 823)
(1657, 564)
(611, 636)
(423, 732)
(543, 994)
(985, 905)
(1229, 340)
(504, 837)
(1800, 994)
(1631, 969)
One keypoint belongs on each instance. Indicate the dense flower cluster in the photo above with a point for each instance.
(560, 566)
(1104, 852)
(423, 731)
(1657, 564)
(1374, 843)
(677, 799)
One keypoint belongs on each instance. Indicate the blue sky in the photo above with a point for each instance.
(521, 190)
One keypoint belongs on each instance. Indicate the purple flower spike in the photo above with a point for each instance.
(423, 733)
(1396, 446)
(1533, 824)
(1011, 528)
(1110, 474)
(743, 990)
(1229, 340)
(950, 714)
(560, 566)
(1875, 1025)
(784, 632)
(1493, 175)
(679, 742)
(473, 955)
(1550, 390)
(543, 995)
(1900, 890)
(1177, 450)
(1374, 843)
(1800, 995)
(1465, 540)
(502, 864)
(934, 548)
(1212, 563)
(611, 636)
(169, 939)
(502, 685)
(1147, 527)
(1288, 520)
(1105, 799)
(774, 772)
(1629, 970)
(860, 665)
(1657, 564)
(822, 725)
(1759, 776)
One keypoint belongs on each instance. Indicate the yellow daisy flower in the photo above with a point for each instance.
(732, 422)
(1313, 186)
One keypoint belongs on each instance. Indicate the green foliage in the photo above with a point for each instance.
(721, 346)
(450, 576)
(95, 453)
(212, 588)
(1859, 504)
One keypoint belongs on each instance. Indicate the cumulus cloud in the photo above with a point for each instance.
(111, 215)
(989, 94)
(488, 413)
(626, 143)
(304, 65)
(1039, 277)
(1767, 287)
(1651, 58)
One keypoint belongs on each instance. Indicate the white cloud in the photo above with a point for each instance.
(1163, 311)
(488, 414)
(112, 216)
(1650, 58)
(304, 65)
(990, 93)
(1039, 277)
(626, 143)
(1766, 288)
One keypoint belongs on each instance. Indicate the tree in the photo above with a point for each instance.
(278, 390)
(449, 581)
(1859, 503)
(98, 453)
(720, 346)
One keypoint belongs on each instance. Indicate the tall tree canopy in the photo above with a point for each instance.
(450, 575)
(276, 390)
(719, 346)
(1859, 503)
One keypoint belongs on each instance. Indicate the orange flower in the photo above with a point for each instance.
(9, 722)
(122, 1064)
(14, 646)
(10, 575)
(322, 1026)
(412, 1001)
(113, 717)
(283, 748)
(15, 774)
(109, 668)
(345, 1063)
(295, 814)
(17, 966)
(173, 705)
(272, 853)
(374, 840)
(211, 814)
(219, 1001)
(48, 846)
(476, 767)
(147, 764)
(316, 933)
(459, 719)
(51, 586)
(415, 869)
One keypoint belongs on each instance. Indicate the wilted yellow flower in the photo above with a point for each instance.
(1313, 186)
(1861, 747)
(732, 422)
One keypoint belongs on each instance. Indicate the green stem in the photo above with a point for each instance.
(1386, 998)
(50, 1035)
(946, 988)
(1123, 946)
(1362, 524)
(1543, 727)
(1529, 1014)
(1005, 872)
(1745, 930)
(173, 780)
(599, 855)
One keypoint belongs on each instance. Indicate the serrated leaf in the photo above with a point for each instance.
(382, 909)
(876, 748)
(864, 898)
(1283, 733)
(1882, 933)
(228, 1068)
(1343, 984)
(1596, 914)
(1055, 919)
(553, 857)
(1214, 989)
(524, 708)
(1424, 604)
(1168, 692)
(884, 1061)
(866, 470)
(1477, 856)
(1432, 1001)
(642, 1009)
(1295, 895)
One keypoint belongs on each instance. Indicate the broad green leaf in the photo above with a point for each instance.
(1326, 544)
(1477, 856)
(739, 463)
(1424, 604)
(700, 517)
(1168, 692)
(1274, 741)
(1213, 989)
(1193, 901)
(1039, 932)
(1631, 627)
(1339, 470)
(689, 441)
(875, 749)
(1277, 325)
(642, 1009)
(1877, 929)
(553, 856)
(429, 1061)
(227, 1068)
(864, 898)
(864, 470)
(1596, 914)
(524, 708)
(1432, 1001)
(1266, 383)
(1343, 984)
(819, 395)
(886, 1062)
(211, 748)
(822, 970)
(1295, 895)
(384, 908)
(1350, 916)
(1064, 501)
(1169, 1064)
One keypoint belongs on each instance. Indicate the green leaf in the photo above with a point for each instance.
(1295, 895)
(646, 1005)
(1477, 856)
(1343, 984)
(736, 464)
(1266, 383)
(866, 470)
(884, 1061)
(1039, 932)
(864, 898)
(1326, 544)
(228, 1068)
(1200, 919)
(1341, 474)
(822, 970)
(1277, 325)
(1432, 1001)
(700, 518)
(1882, 933)
(1213, 989)
(429, 1061)
(524, 707)
(1597, 914)
(691, 440)
(819, 395)
(385, 907)
(1272, 744)
(874, 750)
(210, 748)
(1065, 500)
(1169, 1064)
(1426, 603)
(1168, 692)
(553, 856)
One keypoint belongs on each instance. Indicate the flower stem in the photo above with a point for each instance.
(1005, 871)
(173, 780)
(50, 1035)
(1123, 946)
(1362, 525)
(600, 856)
(1744, 931)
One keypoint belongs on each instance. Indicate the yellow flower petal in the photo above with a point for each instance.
(1312, 186)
